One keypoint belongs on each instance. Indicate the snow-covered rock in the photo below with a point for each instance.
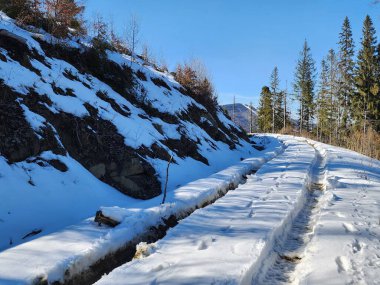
(78, 128)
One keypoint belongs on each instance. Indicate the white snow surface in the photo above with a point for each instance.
(224, 242)
(35, 196)
(227, 242)
(80, 245)
(345, 248)
(232, 241)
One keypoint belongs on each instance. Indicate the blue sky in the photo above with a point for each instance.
(239, 41)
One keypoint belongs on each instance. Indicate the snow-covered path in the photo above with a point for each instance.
(311, 215)
(345, 248)
(335, 238)
(61, 255)
(279, 266)
(227, 241)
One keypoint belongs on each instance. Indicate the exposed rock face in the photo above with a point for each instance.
(18, 140)
(92, 139)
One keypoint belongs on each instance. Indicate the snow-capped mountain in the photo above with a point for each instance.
(242, 115)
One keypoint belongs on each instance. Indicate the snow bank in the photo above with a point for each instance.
(77, 247)
(345, 248)
(225, 242)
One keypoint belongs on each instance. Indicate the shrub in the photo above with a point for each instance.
(194, 79)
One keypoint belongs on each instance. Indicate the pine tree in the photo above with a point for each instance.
(366, 100)
(322, 103)
(286, 121)
(250, 118)
(334, 108)
(304, 87)
(277, 101)
(376, 122)
(274, 88)
(346, 72)
(101, 35)
(264, 114)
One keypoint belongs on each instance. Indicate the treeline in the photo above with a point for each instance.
(64, 19)
(342, 105)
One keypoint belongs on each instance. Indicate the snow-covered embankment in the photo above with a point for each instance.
(66, 254)
(227, 241)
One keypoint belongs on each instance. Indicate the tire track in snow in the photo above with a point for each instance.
(128, 252)
(288, 252)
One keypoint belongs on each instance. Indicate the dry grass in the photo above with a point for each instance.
(367, 144)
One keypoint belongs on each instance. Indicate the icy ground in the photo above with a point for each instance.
(309, 216)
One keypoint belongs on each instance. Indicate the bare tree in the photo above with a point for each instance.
(250, 117)
(132, 35)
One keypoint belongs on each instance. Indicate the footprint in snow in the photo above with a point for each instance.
(159, 267)
(343, 263)
(202, 245)
(251, 213)
(349, 228)
(337, 198)
(226, 229)
(357, 246)
(339, 214)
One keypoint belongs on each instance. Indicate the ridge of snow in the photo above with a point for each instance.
(244, 225)
(77, 247)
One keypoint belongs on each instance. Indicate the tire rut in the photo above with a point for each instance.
(126, 253)
(289, 252)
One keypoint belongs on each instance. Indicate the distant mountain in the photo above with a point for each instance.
(242, 113)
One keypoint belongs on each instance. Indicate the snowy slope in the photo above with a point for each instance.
(71, 251)
(64, 128)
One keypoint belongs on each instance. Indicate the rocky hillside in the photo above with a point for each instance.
(242, 115)
(79, 129)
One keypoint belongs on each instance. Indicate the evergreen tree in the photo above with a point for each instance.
(277, 101)
(304, 87)
(366, 100)
(346, 72)
(101, 35)
(376, 122)
(322, 103)
(264, 114)
(334, 108)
